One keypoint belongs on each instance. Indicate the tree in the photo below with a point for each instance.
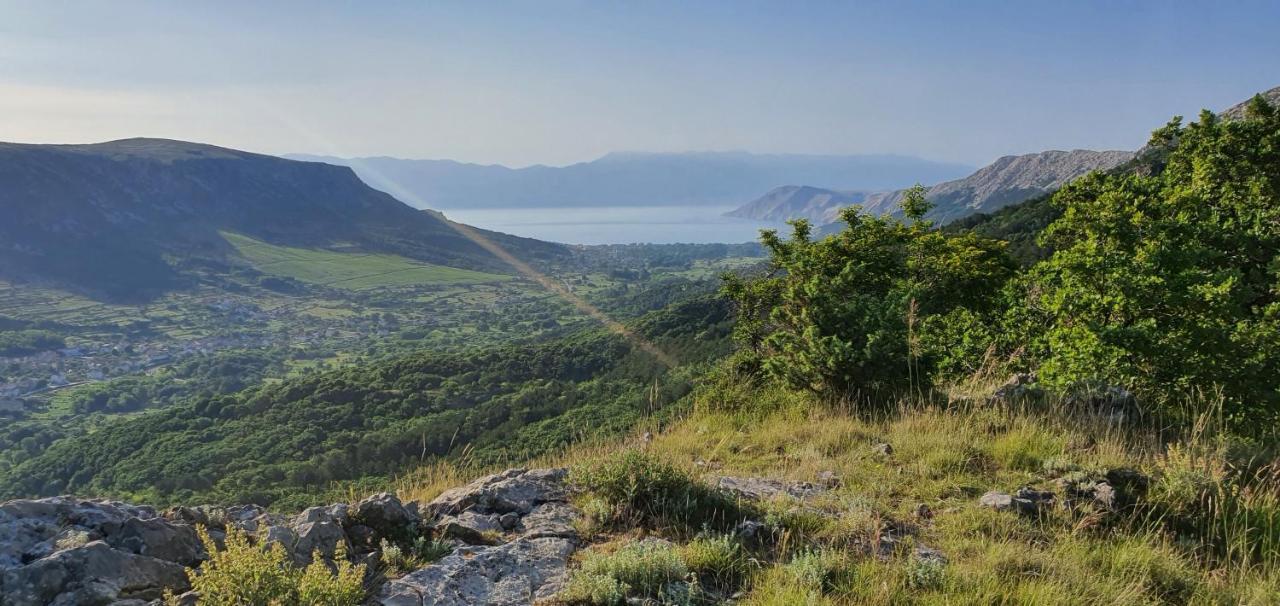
(1168, 283)
(842, 315)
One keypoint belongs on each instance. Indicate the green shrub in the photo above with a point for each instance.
(717, 560)
(243, 573)
(652, 569)
(843, 315)
(639, 488)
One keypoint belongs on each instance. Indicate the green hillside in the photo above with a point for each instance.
(349, 270)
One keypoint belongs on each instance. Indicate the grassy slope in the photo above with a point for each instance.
(945, 457)
(354, 271)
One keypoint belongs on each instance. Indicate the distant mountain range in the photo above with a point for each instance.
(1006, 181)
(634, 179)
(118, 218)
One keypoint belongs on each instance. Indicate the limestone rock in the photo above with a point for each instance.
(514, 490)
(513, 574)
(158, 538)
(766, 489)
(385, 514)
(554, 519)
(92, 574)
(469, 527)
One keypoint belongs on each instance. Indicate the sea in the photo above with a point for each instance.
(618, 225)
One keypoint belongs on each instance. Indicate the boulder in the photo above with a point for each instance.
(158, 538)
(90, 575)
(766, 489)
(385, 514)
(321, 535)
(513, 574)
(469, 527)
(512, 491)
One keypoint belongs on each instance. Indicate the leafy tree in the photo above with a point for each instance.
(1169, 282)
(843, 315)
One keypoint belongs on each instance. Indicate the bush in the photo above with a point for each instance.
(246, 574)
(652, 569)
(640, 489)
(843, 315)
(717, 560)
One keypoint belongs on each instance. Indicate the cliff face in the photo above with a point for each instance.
(1006, 181)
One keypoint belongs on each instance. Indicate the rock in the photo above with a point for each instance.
(554, 519)
(362, 537)
(883, 449)
(1019, 387)
(924, 512)
(1024, 501)
(322, 535)
(385, 514)
(512, 491)
(514, 574)
(190, 598)
(92, 574)
(509, 520)
(469, 527)
(829, 479)
(750, 532)
(766, 489)
(928, 554)
(159, 538)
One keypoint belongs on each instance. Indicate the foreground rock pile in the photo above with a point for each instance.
(513, 534)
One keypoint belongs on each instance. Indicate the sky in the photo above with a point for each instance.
(556, 82)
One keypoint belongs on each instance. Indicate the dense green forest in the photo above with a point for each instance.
(293, 438)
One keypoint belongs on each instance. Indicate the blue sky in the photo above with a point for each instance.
(557, 82)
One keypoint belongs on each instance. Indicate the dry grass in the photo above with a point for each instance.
(1222, 548)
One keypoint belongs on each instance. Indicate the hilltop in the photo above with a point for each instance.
(121, 218)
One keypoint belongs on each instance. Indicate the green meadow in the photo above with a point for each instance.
(352, 271)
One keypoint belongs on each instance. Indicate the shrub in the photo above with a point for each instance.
(243, 573)
(649, 568)
(843, 315)
(641, 489)
(717, 560)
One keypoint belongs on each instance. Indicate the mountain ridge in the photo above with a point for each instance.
(1008, 180)
(632, 178)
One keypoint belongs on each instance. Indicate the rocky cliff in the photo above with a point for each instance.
(1006, 181)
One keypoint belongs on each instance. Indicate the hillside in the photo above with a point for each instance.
(119, 219)
(288, 440)
(634, 179)
(799, 202)
(1006, 181)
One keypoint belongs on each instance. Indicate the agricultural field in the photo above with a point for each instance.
(350, 270)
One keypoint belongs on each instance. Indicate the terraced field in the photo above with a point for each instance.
(351, 271)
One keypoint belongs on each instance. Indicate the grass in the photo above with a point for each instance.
(349, 270)
(1206, 532)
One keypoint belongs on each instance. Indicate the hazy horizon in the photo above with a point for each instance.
(558, 83)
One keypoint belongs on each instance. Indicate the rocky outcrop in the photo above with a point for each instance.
(91, 574)
(512, 574)
(516, 530)
(61, 550)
